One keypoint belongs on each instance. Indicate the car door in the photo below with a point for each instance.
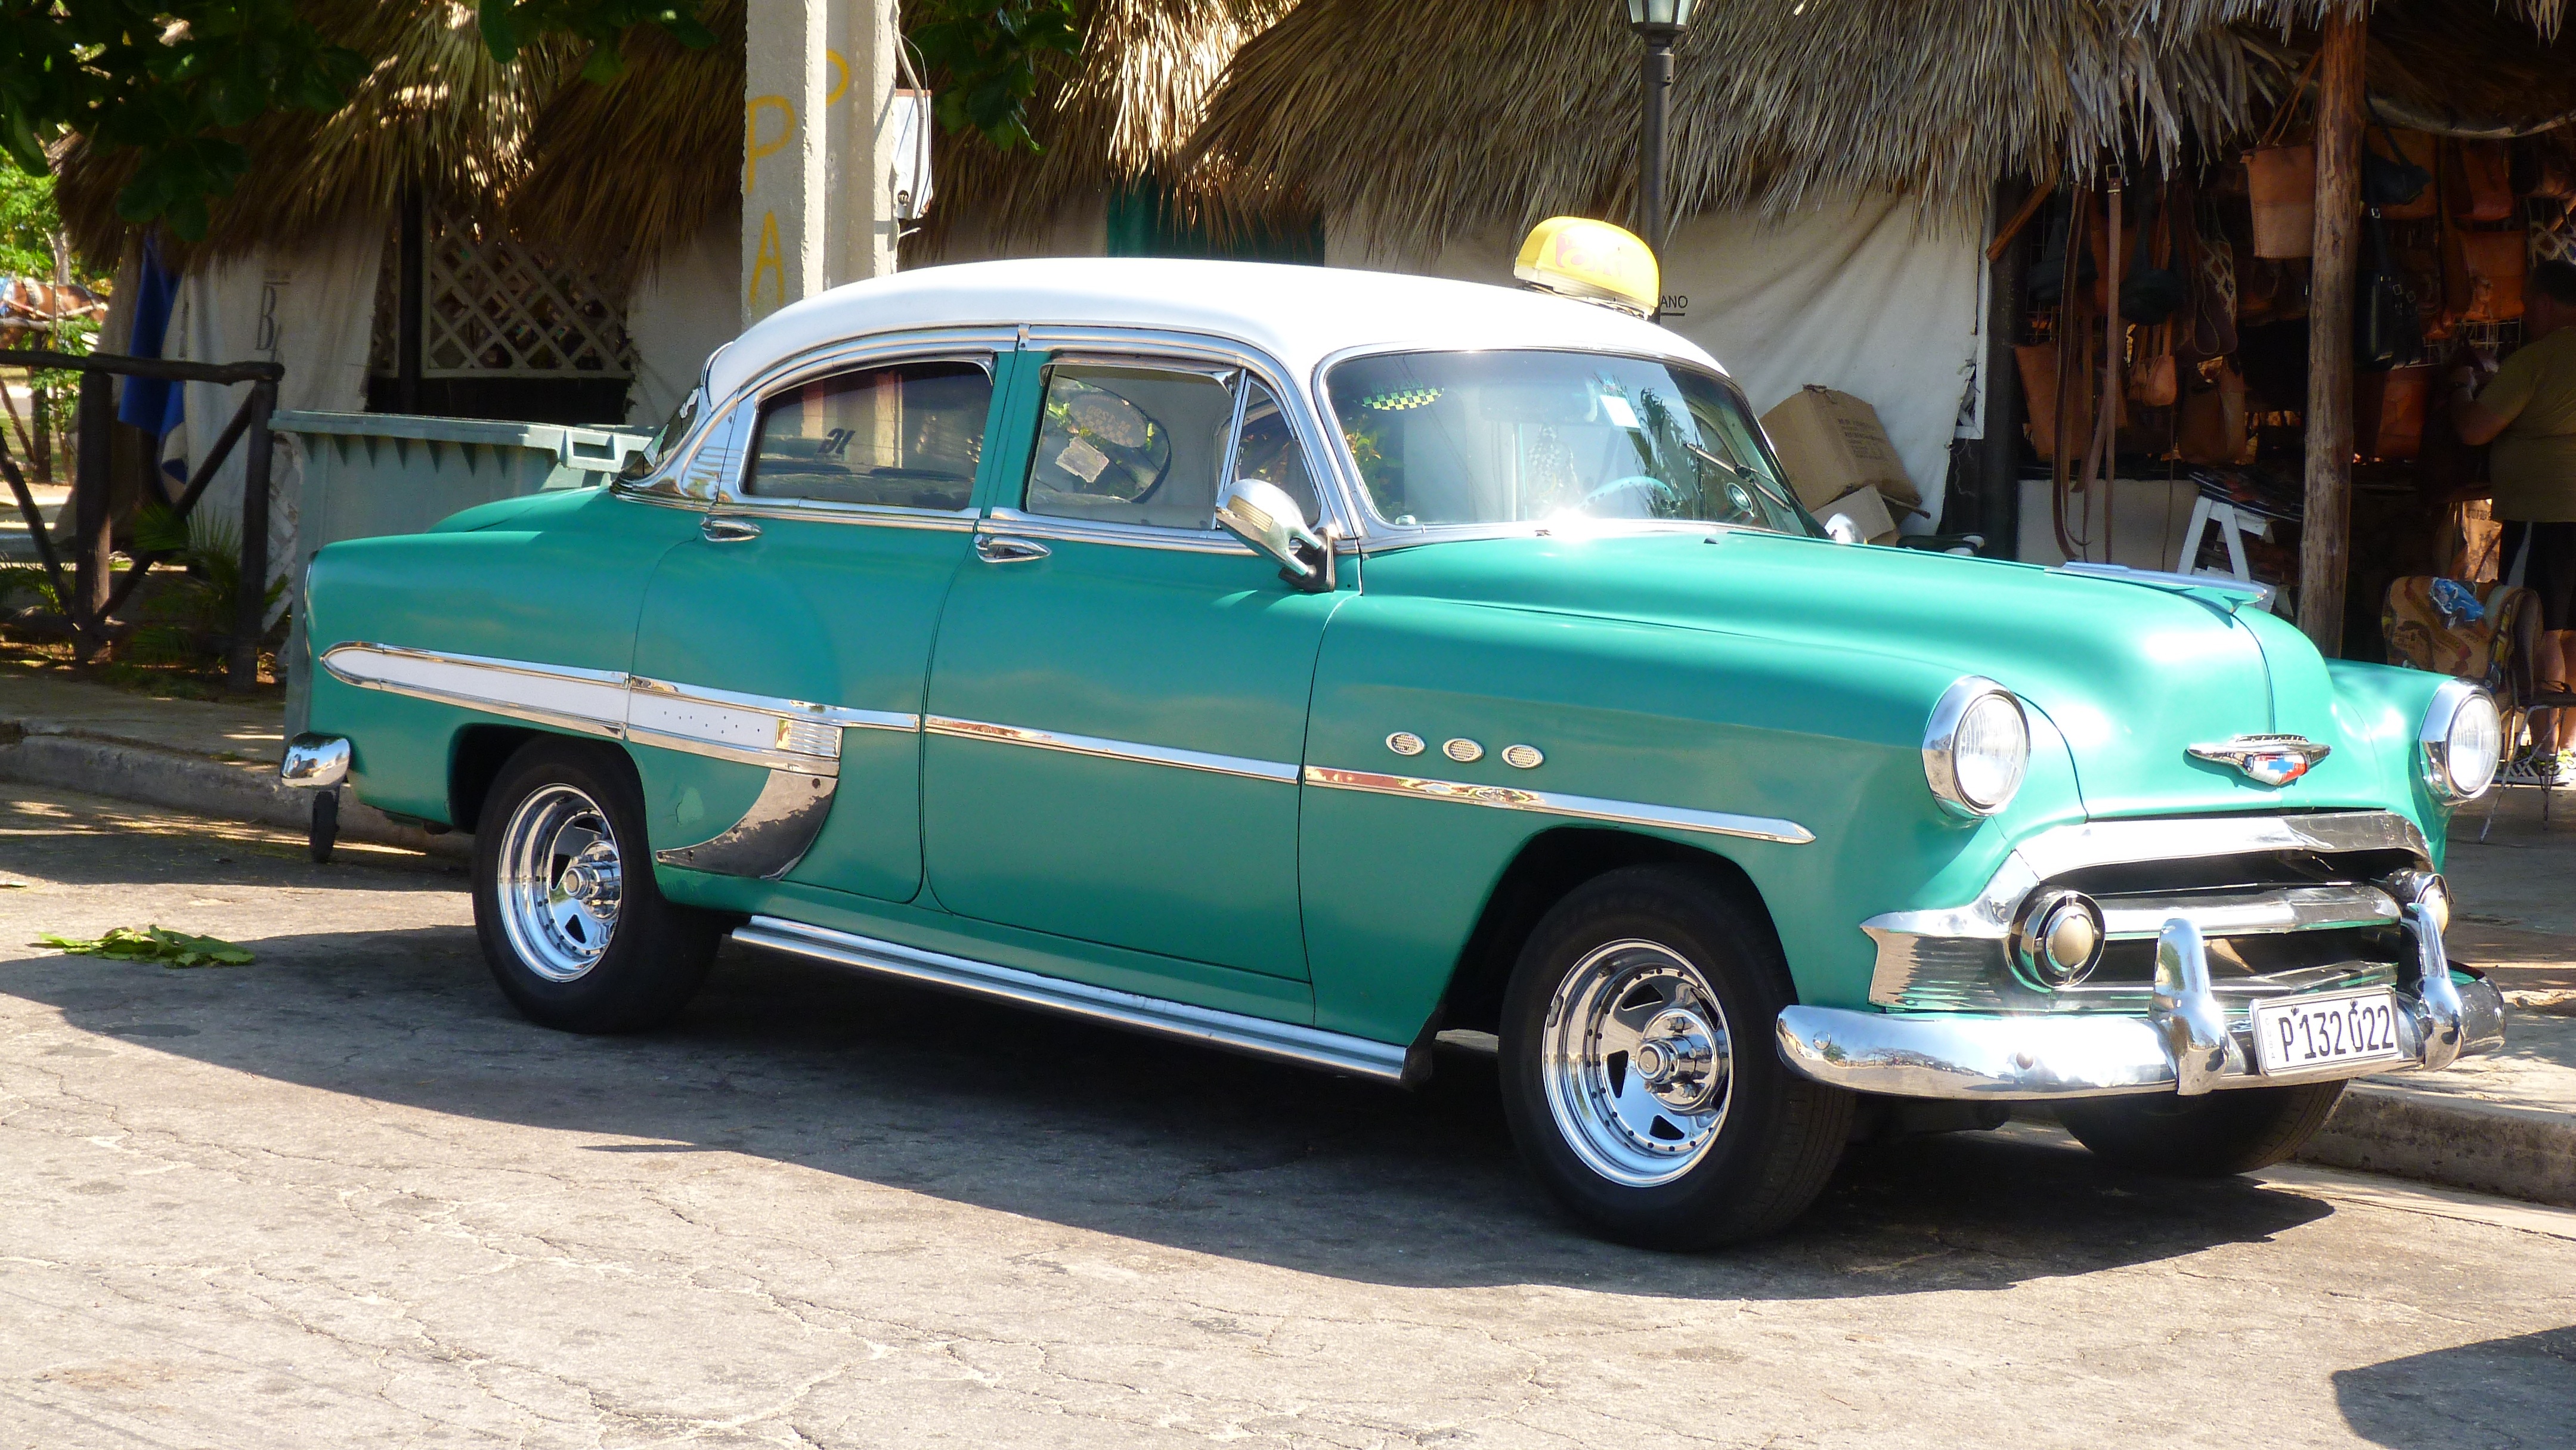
(781, 659)
(1117, 708)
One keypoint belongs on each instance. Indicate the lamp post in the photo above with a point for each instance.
(1660, 23)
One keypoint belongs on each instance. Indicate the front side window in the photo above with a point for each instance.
(905, 436)
(1131, 444)
(1269, 450)
(642, 462)
(1512, 437)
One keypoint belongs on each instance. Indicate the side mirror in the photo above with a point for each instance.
(1264, 516)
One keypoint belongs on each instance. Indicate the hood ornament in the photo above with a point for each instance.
(2274, 760)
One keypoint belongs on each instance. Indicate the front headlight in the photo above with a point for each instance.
(2462, 740)
(1976, 747)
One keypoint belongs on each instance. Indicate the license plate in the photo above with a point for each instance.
(2310, 1033)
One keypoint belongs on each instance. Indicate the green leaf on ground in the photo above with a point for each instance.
(152, 944)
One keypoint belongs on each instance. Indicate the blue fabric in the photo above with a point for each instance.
(151, 404)
(2458, 605)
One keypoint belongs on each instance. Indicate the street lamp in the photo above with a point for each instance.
(1660, 22)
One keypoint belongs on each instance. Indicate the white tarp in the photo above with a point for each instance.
(309, 309)
(1866, 297)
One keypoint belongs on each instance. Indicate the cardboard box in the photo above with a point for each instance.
(1832, 443)
(1867, 511)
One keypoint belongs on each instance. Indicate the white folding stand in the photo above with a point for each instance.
(2232, 527)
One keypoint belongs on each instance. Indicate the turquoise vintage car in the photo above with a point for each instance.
(1307, 662)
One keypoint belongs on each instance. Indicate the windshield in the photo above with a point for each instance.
(1512, 437)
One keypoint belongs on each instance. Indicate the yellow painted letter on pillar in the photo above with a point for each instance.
(840, 72)
(767, 262)
(753, 148)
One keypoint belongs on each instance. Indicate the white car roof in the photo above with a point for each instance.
(1299, 315)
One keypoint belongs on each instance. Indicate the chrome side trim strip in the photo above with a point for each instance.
(780, 734)
(591, 702)
(841, 715)
(771, 760)
(1112, 749)
(1233, 1031)
(771, 837)
(1582, 808)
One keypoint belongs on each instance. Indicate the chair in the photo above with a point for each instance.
(2495, 651)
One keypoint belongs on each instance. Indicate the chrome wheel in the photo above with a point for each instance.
(560, 882)
(1637, 1063)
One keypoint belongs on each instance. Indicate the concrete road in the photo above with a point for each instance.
(344, 1196)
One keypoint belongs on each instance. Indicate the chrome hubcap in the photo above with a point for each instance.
(1637, 1063)
(561, 882)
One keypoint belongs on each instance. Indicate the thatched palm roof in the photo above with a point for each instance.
(1413, 121)
(437, 106)
(622, 173)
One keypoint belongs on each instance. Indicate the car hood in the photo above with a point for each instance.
(2130, 674)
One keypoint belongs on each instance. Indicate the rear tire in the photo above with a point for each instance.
(1638, 1073)
(2212, 1136)
(576, 932)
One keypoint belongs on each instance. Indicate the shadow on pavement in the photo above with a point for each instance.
(2477, 1394)
(1032, 1115)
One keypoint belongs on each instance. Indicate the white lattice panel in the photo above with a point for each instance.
(493, 307)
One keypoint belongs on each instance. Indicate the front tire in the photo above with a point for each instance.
(577, 935)
(1638, 1074)
(2212, 1136)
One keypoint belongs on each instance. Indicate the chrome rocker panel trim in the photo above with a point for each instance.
(1575, 807)
(2185, 1044)
(1098, 748)
(1233, 1031)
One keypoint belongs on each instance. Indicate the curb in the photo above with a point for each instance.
(36, 752)
(2523, 1153)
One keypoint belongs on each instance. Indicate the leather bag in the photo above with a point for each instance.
(2400, 183)
(2388, 411)
(2388, 326)
(2211, 424)
(2482, 273)
(2485, 172)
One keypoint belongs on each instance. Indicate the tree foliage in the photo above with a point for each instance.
(990, 50)
(175, 81)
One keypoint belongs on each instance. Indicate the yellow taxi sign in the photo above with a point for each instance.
(1575, 256)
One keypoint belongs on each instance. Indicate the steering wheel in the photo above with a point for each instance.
(1655, 489)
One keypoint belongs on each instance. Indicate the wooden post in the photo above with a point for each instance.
(93, 568)
(1999, 468)
(2327, 532)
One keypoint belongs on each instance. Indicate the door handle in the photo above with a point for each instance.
(723, 529)
(994, 550)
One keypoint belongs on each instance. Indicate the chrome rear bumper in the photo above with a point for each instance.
(314, 762)
(2183, 1044)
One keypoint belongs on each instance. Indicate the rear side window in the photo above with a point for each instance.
(907, 436)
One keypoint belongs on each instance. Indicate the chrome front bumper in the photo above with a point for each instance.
(2184, 1043)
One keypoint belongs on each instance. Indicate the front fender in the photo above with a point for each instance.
(1654, 716)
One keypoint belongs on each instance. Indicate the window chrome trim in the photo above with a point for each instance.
(1126, 750)
(1574, 807)
(1111, 344)
(1209, 1026)
(1020, 525)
